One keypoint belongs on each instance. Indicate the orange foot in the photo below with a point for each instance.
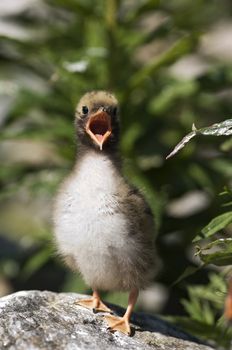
(94, 304)
(120, 324)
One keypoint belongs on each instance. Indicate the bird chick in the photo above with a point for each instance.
(103, 226)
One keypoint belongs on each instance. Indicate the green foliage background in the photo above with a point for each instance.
(68, 47)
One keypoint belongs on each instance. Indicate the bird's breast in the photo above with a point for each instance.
(89, 212)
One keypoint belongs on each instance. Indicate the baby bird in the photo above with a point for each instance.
(103, 226)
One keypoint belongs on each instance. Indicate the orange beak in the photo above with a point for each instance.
(98, 127)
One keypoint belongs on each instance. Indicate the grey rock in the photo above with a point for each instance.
(31, 320)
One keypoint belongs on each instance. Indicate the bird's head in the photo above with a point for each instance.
(97, 120)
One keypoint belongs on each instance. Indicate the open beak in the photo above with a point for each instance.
(98, 127)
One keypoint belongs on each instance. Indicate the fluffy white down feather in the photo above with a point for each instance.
(89, 227)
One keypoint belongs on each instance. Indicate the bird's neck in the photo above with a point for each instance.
(85, 151)
(96, 170)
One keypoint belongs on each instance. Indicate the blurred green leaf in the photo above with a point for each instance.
(215, 225)
(178, 49)
(205, 302)
(227, 145)
(190, 270)
(36, 262)
(173, 92)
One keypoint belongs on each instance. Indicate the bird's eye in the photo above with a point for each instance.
(85, 110)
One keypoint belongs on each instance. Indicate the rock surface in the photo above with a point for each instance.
(31, 320)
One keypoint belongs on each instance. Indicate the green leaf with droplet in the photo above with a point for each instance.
(215, 225)
(219, 129)
(221, 257)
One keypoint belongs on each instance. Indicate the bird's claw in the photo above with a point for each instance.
(93, 304)
(120, 324)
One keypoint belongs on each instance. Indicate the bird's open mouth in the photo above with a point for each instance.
(99, 127)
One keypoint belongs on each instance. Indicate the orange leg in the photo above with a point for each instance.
(228, 303)
(122, 324)
(94, 303)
